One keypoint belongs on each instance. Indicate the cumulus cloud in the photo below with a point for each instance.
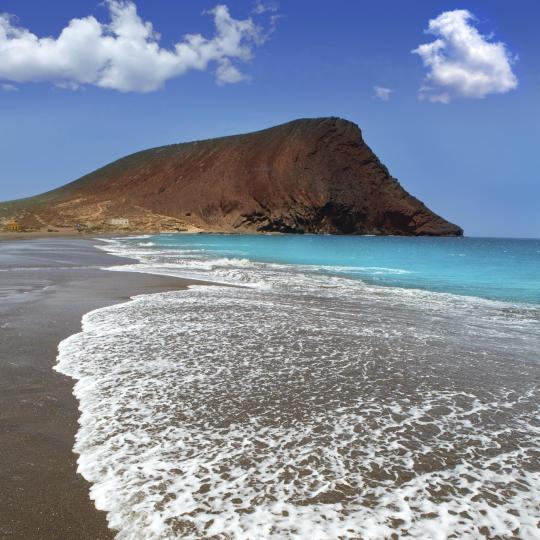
(125, 54)
(8, 87)
(382, 93)
(461, 62)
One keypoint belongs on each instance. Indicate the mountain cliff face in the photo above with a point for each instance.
(313, 176)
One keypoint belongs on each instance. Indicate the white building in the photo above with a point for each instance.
(119, 222)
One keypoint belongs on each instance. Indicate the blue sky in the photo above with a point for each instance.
(473, 160)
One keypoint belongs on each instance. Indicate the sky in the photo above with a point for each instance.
(446, 93)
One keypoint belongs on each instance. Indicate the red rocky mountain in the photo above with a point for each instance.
(306, 176)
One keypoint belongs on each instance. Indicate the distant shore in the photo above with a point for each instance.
(34, 235)
(46, 285)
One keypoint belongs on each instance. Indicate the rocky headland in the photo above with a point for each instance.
(306, 176)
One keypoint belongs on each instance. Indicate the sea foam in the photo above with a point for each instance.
(311, 406)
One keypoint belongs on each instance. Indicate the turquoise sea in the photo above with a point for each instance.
(492, 268)
(327, 387)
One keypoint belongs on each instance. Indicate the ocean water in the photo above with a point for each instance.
(497, 269)
(325, 388)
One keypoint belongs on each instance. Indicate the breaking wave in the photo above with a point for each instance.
(306, 405)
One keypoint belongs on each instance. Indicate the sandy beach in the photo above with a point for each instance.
(290, 404)
(46, 285)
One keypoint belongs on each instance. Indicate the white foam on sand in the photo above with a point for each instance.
(307, 406)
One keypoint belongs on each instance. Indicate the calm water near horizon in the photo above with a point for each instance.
(346, 387)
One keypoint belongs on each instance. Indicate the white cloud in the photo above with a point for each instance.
(461, 62)
(263, 7)
(125, 54)
(228, 73)
(8, 87)
(270, 8)
(382, 93)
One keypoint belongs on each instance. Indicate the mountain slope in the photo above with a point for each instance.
(311, 175)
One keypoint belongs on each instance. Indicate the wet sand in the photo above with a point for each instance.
(46, 285)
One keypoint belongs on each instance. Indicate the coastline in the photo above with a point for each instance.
(187, 421)
(46, 286)
(65, 234)
(149, 355)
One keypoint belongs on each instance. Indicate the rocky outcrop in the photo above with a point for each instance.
(306, 176)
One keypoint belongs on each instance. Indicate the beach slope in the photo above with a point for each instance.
(46, 286)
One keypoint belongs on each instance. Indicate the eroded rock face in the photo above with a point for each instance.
(314, 175)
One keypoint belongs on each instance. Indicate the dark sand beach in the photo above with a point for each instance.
(331, 408)
(46, 285)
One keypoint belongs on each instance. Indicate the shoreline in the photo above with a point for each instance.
(62, 235)
(319, 348)
(46, 286)
(249, 390)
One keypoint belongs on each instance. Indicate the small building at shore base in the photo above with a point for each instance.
(118, 222)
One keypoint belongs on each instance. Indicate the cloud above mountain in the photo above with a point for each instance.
(463, 63)
(125, 54)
